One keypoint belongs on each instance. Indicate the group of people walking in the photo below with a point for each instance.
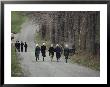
(20, 47)
(58, 50)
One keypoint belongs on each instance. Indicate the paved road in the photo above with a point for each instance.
(47, 68)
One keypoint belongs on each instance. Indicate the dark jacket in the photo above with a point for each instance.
(66, 51)
(25, 45)
(18, 44)
(22, 44)
(58, 52)
(37, 51)
(43, 51)
(51, 51)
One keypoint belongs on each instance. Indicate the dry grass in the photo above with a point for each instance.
(87, 60)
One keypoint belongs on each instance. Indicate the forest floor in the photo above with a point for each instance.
(86, 60)
(31, 68)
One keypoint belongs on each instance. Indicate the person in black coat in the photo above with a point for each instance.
(37, 52)
(43, 50)
(51, 51)
(25, 46)
(22, 44)
(58, 52)
(66, 52)
(18, 46)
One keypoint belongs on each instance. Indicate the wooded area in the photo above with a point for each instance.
(78, 29)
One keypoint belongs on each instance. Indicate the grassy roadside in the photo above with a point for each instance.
(17, 18)
(85, 60)
(15, 65)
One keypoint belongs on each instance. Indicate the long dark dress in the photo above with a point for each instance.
(43, 51)
(37, 52)
(25, 45)
(18, 46)
(22, 44)
(66, 53)
(51, 51)
(58, 52)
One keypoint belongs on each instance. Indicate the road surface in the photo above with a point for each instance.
(31, 68)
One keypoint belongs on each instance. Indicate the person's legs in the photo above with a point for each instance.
(21, 49)
(66, 58)
(43, 58)
(57, 59)
(25, 49)
(59, 55)
(17, 48)
(36, 58)
(51, 57)
(44, 55)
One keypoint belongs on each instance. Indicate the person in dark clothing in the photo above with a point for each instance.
(25, 46)
(37, 52)
(51, 52)
(43, 50)
(18, 46)
(58, 52)
(22, 44)
(66, 52)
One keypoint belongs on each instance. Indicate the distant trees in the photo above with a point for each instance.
(79, 29)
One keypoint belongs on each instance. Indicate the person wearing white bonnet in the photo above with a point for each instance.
(37, 52)
(43, 50)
